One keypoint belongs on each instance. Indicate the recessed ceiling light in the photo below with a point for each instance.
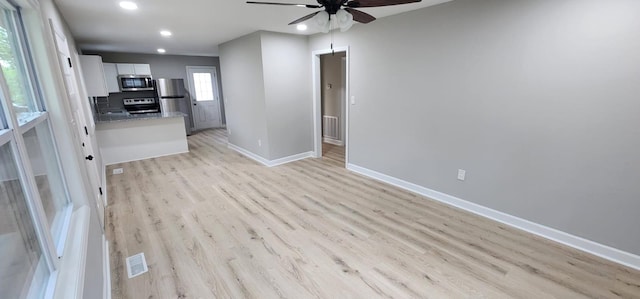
(165, 33)
(301, 27)
(128, 5)
(162, 51)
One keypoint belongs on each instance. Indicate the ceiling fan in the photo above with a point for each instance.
(344, 10)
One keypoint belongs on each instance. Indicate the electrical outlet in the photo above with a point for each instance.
(260, 142)
(118, 171)
(353, 100)
(461, 174)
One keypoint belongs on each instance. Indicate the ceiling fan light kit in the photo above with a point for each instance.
(344, 19)
(321, 21)
(324, 22)
(339, 13)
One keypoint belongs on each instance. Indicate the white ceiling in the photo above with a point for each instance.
(198, 26)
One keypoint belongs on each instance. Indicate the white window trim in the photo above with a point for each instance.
(64, 229)
(66, 213)
(33, 201)
(70, 280)
(32, 123)
(5, 136)
(13, 137)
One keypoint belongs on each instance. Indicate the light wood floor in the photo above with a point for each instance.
(214, 224)
(333, 154)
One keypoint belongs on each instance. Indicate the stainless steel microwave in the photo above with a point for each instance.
(135, 82)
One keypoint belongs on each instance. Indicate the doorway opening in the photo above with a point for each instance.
(330, 105)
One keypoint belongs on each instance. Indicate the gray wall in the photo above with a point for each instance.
(286, 69)
(266, 78)
(163, 66)
(331, 74)
(537, 100)
(241, 61)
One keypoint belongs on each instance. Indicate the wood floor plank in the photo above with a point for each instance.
(214, 224)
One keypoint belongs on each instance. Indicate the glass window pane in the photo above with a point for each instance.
(23, 270)
(203, 86)
(48, 177)
(14, 69)
(3, 120)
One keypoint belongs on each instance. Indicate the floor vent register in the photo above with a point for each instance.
(136, 265)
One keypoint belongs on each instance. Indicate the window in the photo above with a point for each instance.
(35, 208)
(14, 67)
(23, 269)
(203, 86)
(49, 182)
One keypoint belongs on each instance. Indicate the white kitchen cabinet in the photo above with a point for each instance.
(133, 69)
(125, 69)
(142, 69)
(93, 74)
(111, 77)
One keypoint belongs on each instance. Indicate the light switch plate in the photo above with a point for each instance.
(461, 174)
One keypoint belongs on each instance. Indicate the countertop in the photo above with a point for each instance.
(121, 117)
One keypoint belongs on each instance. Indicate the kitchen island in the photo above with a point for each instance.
(125, 137)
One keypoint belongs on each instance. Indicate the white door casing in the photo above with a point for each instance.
(343, 99)
(85, 128)
(205, 96)
(317, 101)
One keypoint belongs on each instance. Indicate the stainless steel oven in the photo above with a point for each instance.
(141, 105)
(135, 82)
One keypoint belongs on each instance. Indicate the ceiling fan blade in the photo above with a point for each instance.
(376, 3)
(360, 16)
(300, 20)
(285, 4)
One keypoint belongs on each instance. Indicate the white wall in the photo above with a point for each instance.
(126, 141)
(537, 100)
(286, 70)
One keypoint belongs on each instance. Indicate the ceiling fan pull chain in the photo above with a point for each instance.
(333, 53)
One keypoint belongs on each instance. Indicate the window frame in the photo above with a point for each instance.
(23, 52)
(68, 210)
(11, 133)
(40, 115)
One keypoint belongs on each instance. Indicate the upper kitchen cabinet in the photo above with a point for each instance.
(93, 74)
(142, 69)
(133, 69)
(111, 75)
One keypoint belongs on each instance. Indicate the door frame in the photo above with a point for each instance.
(216, 92)
(79, 115)
(317, 101)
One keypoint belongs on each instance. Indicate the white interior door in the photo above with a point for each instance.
(84, 132)
(205, 97)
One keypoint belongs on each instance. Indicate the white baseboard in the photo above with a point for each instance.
(333, 141)
(269, 163)
(291, 158)
(248, 154)
(107, 269)
(604, 251)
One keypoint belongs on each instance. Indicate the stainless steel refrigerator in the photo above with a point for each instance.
(173, 97)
